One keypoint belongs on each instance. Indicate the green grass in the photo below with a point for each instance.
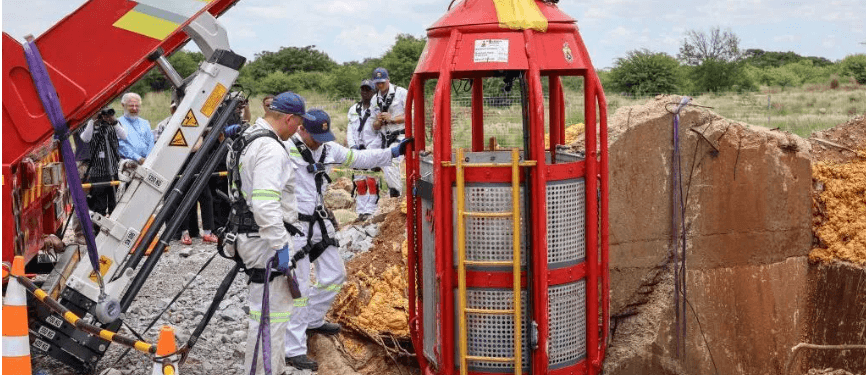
(799, 110)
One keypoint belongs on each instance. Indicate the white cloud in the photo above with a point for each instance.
(786, 38)
(365, 41)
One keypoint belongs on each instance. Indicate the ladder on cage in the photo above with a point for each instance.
(462, 262)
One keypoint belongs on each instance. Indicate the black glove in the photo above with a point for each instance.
(401, 148)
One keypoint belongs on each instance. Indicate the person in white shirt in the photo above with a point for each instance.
(313, 154)
(360, 135)
(265, 178)
(390, 118)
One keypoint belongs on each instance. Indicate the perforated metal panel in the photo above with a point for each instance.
(490, 239)
(566, 210)
(491, 335)
(567, 312)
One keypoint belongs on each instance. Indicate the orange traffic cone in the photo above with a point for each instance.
(164, 347)
(16, 344)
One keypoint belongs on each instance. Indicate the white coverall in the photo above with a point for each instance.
(309, 310)
(397, 108)
(366, 186)
(267, 183)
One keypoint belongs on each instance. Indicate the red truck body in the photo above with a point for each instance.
(92, 56)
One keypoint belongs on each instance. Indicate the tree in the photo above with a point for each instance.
(718, 75)
(721, 46)
(402, 58)
(289, 60)
(855, 66)
(643, 72)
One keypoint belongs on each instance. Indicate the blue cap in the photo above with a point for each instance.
(318, 124)
(380, 75)
(289, 103)
(368, 83)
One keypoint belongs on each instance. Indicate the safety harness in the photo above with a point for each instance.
(388, 137)
(320, 213)
(241, 220)
(363, 118)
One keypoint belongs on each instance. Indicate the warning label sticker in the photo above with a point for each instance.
(213, 100)
(491, 50)
(189, 120)
(178, 139)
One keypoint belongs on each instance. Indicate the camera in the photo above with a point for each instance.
(107, 112)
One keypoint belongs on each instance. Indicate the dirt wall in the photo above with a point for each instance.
(746, 193)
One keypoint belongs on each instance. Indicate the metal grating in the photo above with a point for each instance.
(490, 239)
(566, 210)
(492, 335)
(567, 312)
(430, 302)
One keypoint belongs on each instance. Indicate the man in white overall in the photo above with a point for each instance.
(313, 153)
(267, 180)
(390, 103)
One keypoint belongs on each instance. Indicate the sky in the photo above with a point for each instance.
(352, 30)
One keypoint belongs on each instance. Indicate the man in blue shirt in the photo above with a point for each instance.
(139, 139)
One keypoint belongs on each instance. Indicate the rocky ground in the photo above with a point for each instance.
(220, 349)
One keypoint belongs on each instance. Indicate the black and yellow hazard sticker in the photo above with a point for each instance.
(214, 100)
(189, 120)
(104, 265)
(178, 139)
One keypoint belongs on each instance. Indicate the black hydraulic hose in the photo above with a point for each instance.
(177, 193)
(172, 227)
(218, 297)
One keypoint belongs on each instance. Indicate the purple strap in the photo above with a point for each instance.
(264, 334)
(51, 103)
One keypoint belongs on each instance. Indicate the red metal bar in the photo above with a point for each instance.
(591, 228)
(605, 243)
(477, 114)
(539, 210)
(567, 274)
(411, 222)
(442, 202)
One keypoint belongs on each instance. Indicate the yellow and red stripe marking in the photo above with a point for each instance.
(157, 19)
(520, 15)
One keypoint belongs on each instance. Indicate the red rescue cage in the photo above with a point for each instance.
(508, 249)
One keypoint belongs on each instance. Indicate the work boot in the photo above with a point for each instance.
(302, 362)
(327, 329)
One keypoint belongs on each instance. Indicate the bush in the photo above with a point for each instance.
(717, 75)
(643, 72)
(855, 66)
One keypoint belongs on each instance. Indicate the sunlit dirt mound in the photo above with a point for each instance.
(840, 143)
(839, 210)
(839, 193)
(373, 301)
(572, 134)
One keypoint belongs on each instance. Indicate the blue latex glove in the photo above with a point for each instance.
(400, 149)
(232, 130)
(284, 260)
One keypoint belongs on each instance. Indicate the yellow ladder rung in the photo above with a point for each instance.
(490, 311)
(488, 262)
(488, 214)
(490, 359)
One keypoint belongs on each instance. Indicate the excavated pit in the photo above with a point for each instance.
(752, 291)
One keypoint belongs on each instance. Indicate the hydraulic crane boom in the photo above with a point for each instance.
(87, 75)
